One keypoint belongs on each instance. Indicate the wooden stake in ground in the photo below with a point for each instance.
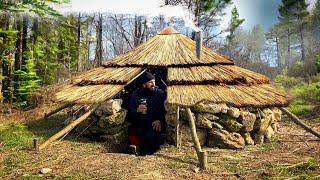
(296, 120)
(178, 138)
(68, 128)
(202, 155)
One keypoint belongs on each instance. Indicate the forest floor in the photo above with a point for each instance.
(293, 154)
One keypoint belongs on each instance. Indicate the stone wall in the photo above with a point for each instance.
(107, 124)
(220, 125)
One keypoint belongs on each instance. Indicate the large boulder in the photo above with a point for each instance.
(275, 126)
(109, 107)
(224, 139)
(112, 120)
(247, 138)
(234, 112)
(203, 122)
(277, 114)
(186, 139)
(262, 124)
(230, 123)
(268, 134)
(247, 119)
(96, 130)
(206, 107)
(224, 107)
(208, 116)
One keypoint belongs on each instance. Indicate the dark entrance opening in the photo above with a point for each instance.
(161, 77)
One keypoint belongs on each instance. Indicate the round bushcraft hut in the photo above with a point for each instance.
(226, 105)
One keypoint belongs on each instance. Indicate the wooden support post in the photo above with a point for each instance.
(296, 120)
(178, 137)
(68, 128)
(46, 115)
(202, 156)
(35, 144)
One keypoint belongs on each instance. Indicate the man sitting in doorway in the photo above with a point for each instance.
(147, 116)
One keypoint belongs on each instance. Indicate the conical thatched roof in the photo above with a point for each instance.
(190, 80)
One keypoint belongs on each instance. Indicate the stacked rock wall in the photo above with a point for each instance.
(219, 125)
(107, 124)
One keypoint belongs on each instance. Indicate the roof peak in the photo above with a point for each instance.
(168, 30)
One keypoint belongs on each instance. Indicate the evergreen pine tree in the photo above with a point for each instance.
(234, 24)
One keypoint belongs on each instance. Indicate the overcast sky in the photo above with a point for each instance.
(264, 12)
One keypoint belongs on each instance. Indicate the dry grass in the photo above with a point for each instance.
(167, 50)
(103, 75)
(88, 94)
(217, 74)
(294, 153)
(236, 95)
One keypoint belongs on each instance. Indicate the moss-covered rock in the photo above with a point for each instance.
(230, 123)
(112, 120)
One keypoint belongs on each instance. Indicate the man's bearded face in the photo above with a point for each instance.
(150, 85)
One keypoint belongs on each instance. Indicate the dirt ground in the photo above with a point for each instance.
(293, 154)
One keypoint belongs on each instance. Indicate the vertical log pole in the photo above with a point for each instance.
(178, 137)
(35, 144)
(202, 156)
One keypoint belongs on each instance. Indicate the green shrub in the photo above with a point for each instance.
(300, 108)
(318, 62)
(287, 81)
(307, 92)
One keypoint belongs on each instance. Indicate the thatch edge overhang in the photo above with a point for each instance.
(148, 66)
(260, 95)
(110, 75)
(92, 93)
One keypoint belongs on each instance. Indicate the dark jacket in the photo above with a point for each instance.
(155, 108)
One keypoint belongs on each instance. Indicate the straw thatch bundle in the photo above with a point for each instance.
(191, 80)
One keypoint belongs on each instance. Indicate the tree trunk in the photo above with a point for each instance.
(25, 21)
(18, 55)
(98, 56)
(87, 64)
(288, 59)
(5, 65)
(278, 52)
(35, 28)
(79, 62)
(303, 55)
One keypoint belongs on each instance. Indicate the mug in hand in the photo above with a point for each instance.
(143, 102)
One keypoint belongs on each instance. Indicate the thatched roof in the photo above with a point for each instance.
(190, 80)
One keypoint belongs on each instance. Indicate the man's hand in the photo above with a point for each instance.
(142, 108)
(156, 125)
